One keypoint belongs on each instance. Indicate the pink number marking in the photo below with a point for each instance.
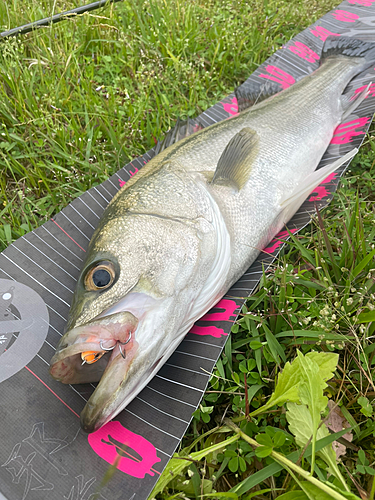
(229, 307)
(360, 89)
(365, 3)
(231, 107)
(345, 132)
(320, 190)
(102, 443)
(135, 169)
(303, 51)
(213, 331)
(122, 183)
(278, 75)
(276, 242)
(322, 33)
(345, 16)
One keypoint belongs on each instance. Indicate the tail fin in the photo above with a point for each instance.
(349, 47)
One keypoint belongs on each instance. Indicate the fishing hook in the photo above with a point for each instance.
(124, 343)
(106, 348)
(119, 345)
(96, 356)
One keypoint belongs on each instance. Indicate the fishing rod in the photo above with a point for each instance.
(26, 28)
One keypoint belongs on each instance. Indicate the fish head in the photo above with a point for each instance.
(128, 304)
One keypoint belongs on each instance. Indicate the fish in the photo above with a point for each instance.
(178, 235)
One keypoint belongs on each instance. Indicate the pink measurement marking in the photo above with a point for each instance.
(135, 169)
(212, 331)
(276, 242)
(345, 132)
(365, 3)
(229, 307)
(278, 75)
(345, 16)
(321, 191)
(303, 51)
(322, 33)
(231, 107)
(68, 235)
(131, 173)
(54, 393)
(102, 443)
(361, 89)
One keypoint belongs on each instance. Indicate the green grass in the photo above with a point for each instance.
(81, 98)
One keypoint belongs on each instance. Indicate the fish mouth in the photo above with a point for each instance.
(85, 352)
(108, 398)
(107, 350)
(120, 370)
(106, 401)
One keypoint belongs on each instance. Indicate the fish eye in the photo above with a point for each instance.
(100, 276)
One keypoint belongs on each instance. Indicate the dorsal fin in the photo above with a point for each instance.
(182, 129)
(246, 98)
(234, 165)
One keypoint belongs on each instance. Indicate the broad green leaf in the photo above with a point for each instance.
(279, 439)
(289, 380)
(301, 425)
(242, 464)
(264, 439)
(326, 361)
(366, 317)
(286, 388)
(362, 457)
(366, 407)
(311, 393)
(233, 464)
(255, 344)
(311, 387)
(263, 451)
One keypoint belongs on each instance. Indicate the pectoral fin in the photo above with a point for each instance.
(291, 204)
(235, 163)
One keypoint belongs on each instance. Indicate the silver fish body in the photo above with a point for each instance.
(179, 234)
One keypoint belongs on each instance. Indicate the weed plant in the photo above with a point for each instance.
(81, 98)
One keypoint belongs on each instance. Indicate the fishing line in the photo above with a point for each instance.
(26, 28)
